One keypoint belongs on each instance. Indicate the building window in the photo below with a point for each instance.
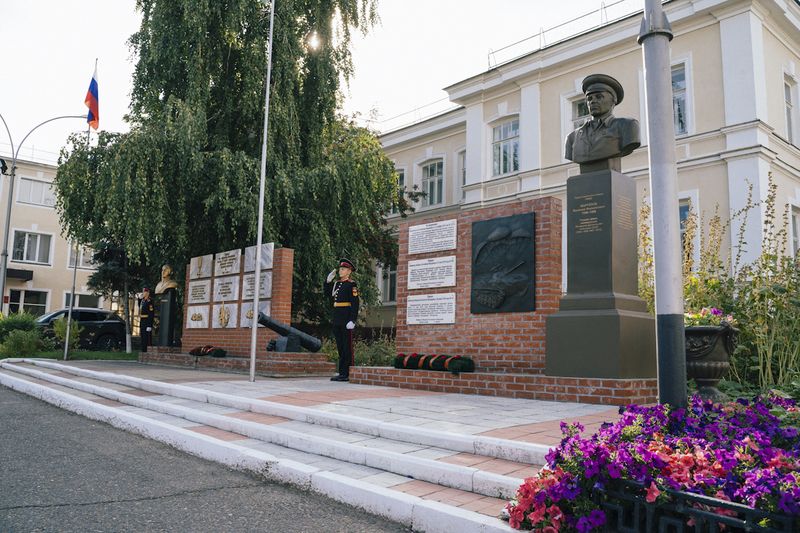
(684, 207)
(679, 99)
(791, 108)
(580, 112)
(505, 148)
(83, 300)
(462, 171)
(36, 192)
(401, 187)
(84, 257)
(796, 231)
(433, 183)
(388, 284)
(31, 247)
(32, 302)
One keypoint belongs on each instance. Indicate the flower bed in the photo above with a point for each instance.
(743, 452)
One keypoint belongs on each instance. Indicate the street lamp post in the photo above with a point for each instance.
(14, 156)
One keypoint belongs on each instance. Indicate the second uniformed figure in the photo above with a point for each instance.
(344, 296)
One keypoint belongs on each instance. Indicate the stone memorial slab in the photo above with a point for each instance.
(199, 291)
(224, 316)
(248, 286)
(432, 237)
(227, 263)
(200, 267)
(433, 272)
(226, 289)
(196, 316)
(246, 318)
(431, 309)
(267, 250)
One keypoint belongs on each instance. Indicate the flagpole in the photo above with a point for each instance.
(262, 180)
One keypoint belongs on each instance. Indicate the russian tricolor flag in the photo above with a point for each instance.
(93, 102)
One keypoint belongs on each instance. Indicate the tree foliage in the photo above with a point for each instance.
(184, 181)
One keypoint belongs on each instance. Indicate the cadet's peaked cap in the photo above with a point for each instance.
(146, 289)
(347, 263)
(602, 82)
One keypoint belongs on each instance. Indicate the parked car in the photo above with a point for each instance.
(102, 330)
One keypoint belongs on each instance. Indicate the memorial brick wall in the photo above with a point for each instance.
(497, 342)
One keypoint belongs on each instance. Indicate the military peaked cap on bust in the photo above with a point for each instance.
(347, 263)
(602, 82)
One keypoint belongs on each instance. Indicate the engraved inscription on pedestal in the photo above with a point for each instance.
(200, 267)
(623, 212)
(199, 291)
(433, 272)
(246, 318)
(503, 265)
(227, 263)
(226, 289)
(197, 316)
(587, 213)
(224, 315)
(431, 309)
(432, 237)
(267, 250)
(248, 286)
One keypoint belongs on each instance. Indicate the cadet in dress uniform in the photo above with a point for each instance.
(344, 296)
(146, 314)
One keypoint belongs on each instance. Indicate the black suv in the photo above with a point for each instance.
(102, 330)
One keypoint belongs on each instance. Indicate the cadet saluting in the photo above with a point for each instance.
(344, 295)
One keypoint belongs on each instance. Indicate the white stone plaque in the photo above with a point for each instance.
(200, 267)
(433, 272)
(266, 257)
(224, 315)
(226, 289)
(431, 309)
(432, 237)
(248, 288)
(199, 291)
(227, 263)
(246, 319)
(196, 316)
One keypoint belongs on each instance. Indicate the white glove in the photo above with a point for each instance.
(350, 325)
(149, 329)
(331, 275)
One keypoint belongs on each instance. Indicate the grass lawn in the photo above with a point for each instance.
(85, 355)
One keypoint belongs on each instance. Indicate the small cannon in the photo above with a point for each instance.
(291, 339)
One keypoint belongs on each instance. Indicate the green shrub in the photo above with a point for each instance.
(60, 331)
(21, 343)
(15, 321)
(377, 352)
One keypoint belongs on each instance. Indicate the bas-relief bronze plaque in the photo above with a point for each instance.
(503, 265)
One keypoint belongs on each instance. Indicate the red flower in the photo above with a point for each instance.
(652, 492)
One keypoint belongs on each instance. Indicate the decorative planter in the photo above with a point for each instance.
(708, 350)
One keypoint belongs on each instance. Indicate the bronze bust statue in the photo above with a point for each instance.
(602, 141)
(166, 282)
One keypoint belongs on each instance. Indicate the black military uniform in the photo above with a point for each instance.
(344, 297)
(146, 314)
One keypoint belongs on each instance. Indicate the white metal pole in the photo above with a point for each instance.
(654, 37)
(262, 180)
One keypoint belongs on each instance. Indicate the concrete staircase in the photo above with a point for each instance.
(429, 480)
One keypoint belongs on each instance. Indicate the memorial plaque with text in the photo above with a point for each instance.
(227, 263)
(224, 316)
(199, 291)
(246, 318)
(267, 250)
(432, 237)
(197, 316)
(200, 267)
(431, 309)
(226, 289)
(248, 286)
(433, 272)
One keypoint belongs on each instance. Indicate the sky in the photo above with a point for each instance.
(401, 65)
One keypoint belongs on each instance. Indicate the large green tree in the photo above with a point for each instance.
(184, 180)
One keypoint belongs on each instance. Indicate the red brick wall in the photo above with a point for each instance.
(237, 340)
(497, 342)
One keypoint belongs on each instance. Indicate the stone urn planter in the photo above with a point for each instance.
(708, 350)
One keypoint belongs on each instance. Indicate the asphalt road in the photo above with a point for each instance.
(62, 472)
